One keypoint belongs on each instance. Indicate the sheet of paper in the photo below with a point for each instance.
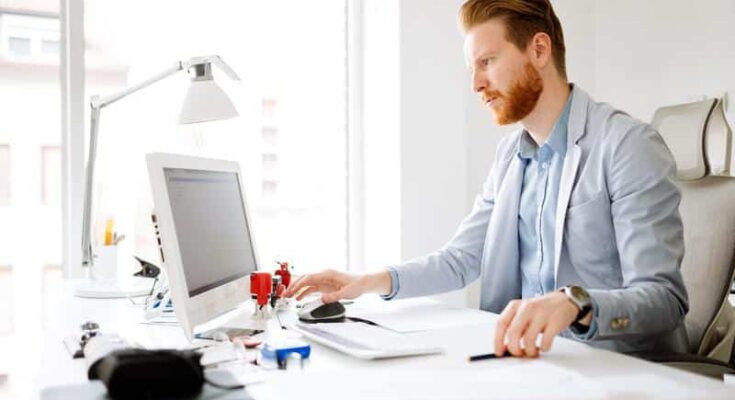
(648, 385)
(421, 317)
(528, 381)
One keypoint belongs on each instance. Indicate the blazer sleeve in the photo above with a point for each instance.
(650, 240)
(457, 264)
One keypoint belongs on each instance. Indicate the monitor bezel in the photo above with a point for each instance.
(193, 311)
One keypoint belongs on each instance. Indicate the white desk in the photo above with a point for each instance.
(570, 370)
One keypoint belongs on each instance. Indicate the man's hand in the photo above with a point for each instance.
(523, 321)
(335, 285)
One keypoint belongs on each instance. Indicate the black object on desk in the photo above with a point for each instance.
(488, 356)
(138, 373)
(95, 390)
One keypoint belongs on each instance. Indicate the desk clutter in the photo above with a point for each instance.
(128, 372)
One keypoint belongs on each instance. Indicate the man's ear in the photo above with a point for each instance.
(539, 50)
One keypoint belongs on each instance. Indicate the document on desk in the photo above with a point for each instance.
(529, 380)
(415, 317)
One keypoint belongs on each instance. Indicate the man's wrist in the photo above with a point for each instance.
(587, 320)
(378, 282)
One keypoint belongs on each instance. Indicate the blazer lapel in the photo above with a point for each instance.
(575, 131)
(569, 172)
(501, 280)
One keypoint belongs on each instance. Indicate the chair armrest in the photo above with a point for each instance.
(689, 362)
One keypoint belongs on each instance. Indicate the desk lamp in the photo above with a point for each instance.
(205, 101)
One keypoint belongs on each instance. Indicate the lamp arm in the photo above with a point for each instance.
(100, 102)
(96, 104)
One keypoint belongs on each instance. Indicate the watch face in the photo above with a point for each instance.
(580, 294)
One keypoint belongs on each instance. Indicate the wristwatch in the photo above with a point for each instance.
(582, 300)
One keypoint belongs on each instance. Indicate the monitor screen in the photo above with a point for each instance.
(211, 226)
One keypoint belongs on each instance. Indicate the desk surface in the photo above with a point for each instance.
(570, 369)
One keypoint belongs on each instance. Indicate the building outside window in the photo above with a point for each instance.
(4, 175)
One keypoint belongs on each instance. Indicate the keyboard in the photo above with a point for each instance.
(363, 340)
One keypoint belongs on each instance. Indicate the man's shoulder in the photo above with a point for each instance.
(610, 125)
(622, 141)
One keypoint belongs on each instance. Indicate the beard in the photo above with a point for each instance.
(521, 98)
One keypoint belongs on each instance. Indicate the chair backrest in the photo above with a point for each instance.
(700, 140)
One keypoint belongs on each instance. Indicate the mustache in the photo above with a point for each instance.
(487, 95)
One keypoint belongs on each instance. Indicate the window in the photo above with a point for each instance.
(29, 32)
(6, 300)
(50, 47)
(270, 162)
(19, 47)
(30, 136)
(51, 175)
(4, 175)
(291, 137)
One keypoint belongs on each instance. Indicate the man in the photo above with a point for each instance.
(576, 230)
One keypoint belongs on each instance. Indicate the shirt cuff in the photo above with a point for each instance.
(592, 330)
(394, 285)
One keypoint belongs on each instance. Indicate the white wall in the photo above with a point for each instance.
(659, 52)
(433, 86)
(381, 133)
(414, 126)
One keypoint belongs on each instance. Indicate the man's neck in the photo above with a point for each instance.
(542, 119)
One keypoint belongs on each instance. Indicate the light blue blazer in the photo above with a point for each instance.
(618, 232)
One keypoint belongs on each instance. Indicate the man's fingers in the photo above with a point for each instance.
(518, 327)
(501, 326)
(529, 338)
(309, 290)
(295, 286)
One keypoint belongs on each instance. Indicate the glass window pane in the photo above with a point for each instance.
(19, 47)
(30, 232)
(4, 175)
(290, 138)
(51, 175)
(50, 47)
(6, 300)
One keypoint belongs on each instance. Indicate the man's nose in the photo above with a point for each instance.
(479, 82)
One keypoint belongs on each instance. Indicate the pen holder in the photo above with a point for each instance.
(105, 263)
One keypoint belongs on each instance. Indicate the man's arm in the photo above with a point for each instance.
(650, 240)
(456, 264)
(452, 267)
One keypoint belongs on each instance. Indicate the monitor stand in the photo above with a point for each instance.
(238, 322)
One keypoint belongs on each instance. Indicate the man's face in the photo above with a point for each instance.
(502, 74)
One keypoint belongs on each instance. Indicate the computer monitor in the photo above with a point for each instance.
(204, 235)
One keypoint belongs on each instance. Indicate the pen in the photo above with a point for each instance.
(488, 356)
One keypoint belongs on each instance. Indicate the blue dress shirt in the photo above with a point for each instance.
(537, 211)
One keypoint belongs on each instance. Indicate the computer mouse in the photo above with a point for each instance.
(318, 311)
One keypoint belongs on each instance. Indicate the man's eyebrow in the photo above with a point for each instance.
(484, 54)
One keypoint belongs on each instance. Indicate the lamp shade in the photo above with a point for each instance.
(206, 101)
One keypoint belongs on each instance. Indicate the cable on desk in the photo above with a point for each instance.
(223, 386)
(278, 317)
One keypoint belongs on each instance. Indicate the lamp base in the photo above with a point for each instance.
(112, 289)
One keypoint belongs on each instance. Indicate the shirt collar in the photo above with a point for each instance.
(557, 141)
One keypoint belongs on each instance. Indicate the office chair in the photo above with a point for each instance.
(700, 140)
